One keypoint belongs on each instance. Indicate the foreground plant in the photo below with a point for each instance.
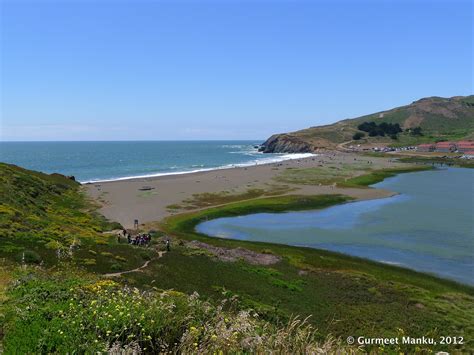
(59, 314)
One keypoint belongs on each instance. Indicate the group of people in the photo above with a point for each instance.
(139, 239)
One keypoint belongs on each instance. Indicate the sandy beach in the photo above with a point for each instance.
(127, 200)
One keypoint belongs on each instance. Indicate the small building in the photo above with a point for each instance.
(446, 147)
(426, 148)
(465, 146)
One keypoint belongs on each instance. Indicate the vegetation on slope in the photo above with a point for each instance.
(47, 208)
(46, 219)
(83, 314)
(438, 118)
(382, 129)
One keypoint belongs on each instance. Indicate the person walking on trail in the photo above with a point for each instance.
(167, 244)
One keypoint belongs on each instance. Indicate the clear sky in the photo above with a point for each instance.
(143, 69)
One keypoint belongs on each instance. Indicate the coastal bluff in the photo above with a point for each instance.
(285, 143)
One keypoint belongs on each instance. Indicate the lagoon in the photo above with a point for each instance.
(428, 226)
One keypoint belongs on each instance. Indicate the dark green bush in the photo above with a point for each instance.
(116, 267)
(29, 257)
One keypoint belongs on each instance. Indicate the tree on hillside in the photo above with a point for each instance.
(358, 136)
(382, 129)
(416, 131)
(367, 126)
(374, 133)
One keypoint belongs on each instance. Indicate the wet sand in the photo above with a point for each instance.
(124, 201)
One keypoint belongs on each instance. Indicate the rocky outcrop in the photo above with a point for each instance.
(285, 143)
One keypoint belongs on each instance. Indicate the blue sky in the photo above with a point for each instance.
(118, 70)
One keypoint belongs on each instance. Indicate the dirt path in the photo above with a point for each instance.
(117, 274)
(342, 147)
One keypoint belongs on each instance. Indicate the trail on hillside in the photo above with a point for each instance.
(117, 274)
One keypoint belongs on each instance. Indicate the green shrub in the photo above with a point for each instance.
(116, 267)
(88, 262)
(114, 225)
(29, 257)
(416, 131)
(145, 256)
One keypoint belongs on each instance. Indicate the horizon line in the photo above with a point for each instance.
(128, 140)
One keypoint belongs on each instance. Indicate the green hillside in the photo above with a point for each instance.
(46, 219)
(439, 119)
(40, 206)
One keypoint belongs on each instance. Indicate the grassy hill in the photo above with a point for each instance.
(40, 206)
(439, 119)
(46, 220)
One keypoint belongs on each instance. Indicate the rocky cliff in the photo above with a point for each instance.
(286, 143)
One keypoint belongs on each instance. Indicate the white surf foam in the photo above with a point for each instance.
(270, 160)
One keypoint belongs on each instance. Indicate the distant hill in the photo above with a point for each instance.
(439, 119)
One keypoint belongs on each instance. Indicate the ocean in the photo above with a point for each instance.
(106, 161)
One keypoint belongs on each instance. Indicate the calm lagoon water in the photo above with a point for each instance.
(99, 161)
(428, 227)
